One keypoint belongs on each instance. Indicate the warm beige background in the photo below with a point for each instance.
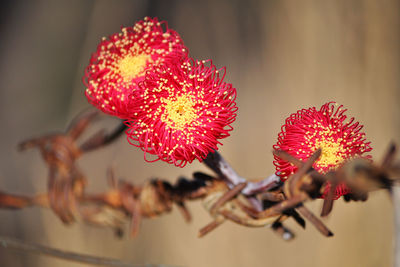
(280, 55)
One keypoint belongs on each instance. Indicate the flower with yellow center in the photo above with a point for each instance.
(122, 60)
(333, 153)
(133, 66)
(181, 111)
(310, 129)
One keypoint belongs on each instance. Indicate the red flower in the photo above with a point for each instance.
(121, 61)
(180, 112)
(310, 129)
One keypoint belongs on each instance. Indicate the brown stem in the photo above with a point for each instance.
(218, 164)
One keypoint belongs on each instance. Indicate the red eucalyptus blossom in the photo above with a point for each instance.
(121, 61)
(309, 129)
(181, 110)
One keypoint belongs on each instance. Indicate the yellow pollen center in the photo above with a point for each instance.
(179, 112)
(132, 66)
(331, 153)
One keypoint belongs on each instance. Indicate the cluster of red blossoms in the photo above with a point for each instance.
(327, 128)
(121, 61)
(176, 108)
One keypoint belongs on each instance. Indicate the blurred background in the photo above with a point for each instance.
(280, 55)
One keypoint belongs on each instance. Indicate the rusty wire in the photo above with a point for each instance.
(226, 196)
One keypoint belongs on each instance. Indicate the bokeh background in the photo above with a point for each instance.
(280, 55)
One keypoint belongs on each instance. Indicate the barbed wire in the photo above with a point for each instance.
(226, 195)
